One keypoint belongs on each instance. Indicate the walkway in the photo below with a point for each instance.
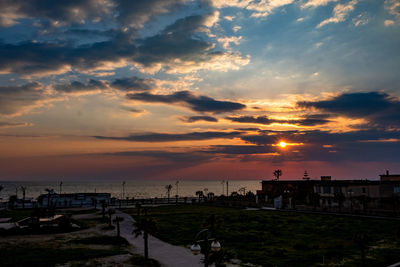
(167, 254)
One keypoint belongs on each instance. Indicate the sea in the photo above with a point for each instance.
(129, 188)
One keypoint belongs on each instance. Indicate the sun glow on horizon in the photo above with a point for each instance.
(282, 144)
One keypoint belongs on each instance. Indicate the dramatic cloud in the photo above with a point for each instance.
(378, 108)
(340, 13)
(200, 118)
(316, 145)
(167, 137)
(57, 12)
(194, 102)
(181, 48)
(178, 48)
(16, 100)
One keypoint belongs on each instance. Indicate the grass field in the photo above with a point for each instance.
(273, 238)
(78, 248)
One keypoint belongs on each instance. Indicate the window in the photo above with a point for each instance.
(327, 189)
(363, 190)
(396, 189)
(337, 189)
(318, 189)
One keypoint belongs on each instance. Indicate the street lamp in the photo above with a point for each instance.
(195, 248)
(215, 246)
(208, 235)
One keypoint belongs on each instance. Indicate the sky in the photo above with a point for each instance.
(199, 89)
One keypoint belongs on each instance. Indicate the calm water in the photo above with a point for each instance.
(136, 189)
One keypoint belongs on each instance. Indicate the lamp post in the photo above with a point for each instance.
(209, 240)
(123, 189)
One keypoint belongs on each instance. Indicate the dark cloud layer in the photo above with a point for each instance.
(380, 109)
(76, 86)
(71, 11)
(252, 119)
(167, 137)
(136, 13)
(319, 137)
(176, 41)
(132, 84)
(200, 118)
(194, 102)
(242, 149)
(308, 120)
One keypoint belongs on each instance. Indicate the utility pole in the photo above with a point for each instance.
(223, 182)
(227, 186)
(177, 192)
(123, 189)
(61, 183)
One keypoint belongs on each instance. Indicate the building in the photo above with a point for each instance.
(292, 192)
(335, 195)
(53, 199)
(350, 194)
(390, 177)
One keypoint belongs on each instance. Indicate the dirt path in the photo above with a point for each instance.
(166, 254)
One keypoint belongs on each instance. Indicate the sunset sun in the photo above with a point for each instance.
(282, 144)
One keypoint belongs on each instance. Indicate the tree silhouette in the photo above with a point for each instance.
(23, 189)
(277, 174)
(168, 188)
(199, 194)
(242, 190)
(145, 226)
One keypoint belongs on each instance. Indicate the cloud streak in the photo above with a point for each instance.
(308, 120)
(169, 137)
(199, 118)
(194, 102)
(340, 13)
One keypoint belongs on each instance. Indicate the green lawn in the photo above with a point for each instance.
(273, 238)
(51, 254)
